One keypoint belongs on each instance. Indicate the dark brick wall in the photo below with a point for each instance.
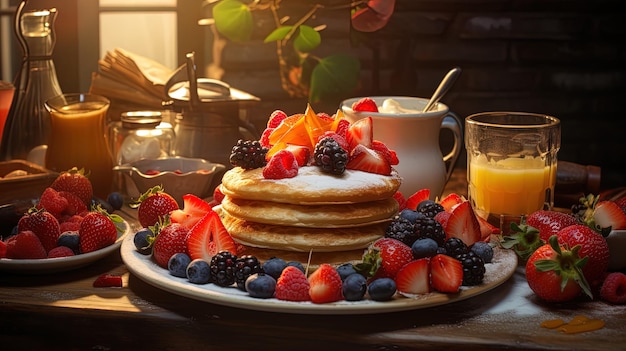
(560, 57)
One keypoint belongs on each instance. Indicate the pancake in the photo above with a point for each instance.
(317, 258)
(310, 186)
(301, 238)
(315, 216)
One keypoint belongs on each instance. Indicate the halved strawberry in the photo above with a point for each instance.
(360, 132)
(463, 224)
(108, 281)
(194, 208)
(486, 228)
(389, 155)
(398, 196)
(301, 153)
(365, 159)
(325, 285)
(208, 237)
(414, 277)
(365, 104)
(416, 198)
(218, 196)
(450, 201)
(446, 273)
(607, 214)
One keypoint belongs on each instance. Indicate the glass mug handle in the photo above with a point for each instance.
(452, 122)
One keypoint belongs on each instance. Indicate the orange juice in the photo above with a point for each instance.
(512, 186)
(78, 139)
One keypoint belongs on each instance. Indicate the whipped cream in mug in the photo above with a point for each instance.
(393, 106)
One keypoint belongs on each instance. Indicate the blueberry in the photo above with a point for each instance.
(297, 265)
(425, 247)
(142, 240)
(70, 239)
(261, 285)
(483, 250)
(354, 287)
(382, 289)
(345, 270)
(198, 271)
(411, 215)
(116, 200)
(177, 264)
(274, 267)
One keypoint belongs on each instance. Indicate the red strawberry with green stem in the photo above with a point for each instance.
(208, 237)
(25, 245)
(593, 246)
(169, 240)
(98, 229)
(153, 206)
(53, 202)
(325, 285)
(384, 258)
(75, 181)
(43, 224)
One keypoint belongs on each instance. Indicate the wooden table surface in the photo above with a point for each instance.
(64, 312)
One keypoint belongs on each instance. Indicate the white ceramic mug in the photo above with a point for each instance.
(414, 135)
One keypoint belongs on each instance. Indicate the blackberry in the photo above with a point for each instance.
(401, 229)
(246, 266)
(428, 227)
(455, 247)
(248, 154)
(330, 156)
(223, 268)
(429, 208)
(473, 268)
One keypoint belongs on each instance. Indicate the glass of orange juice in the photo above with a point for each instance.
(511, 164)
(78, 138)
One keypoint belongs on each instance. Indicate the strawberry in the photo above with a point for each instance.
(382, 149)
(401, 200)
(365, 159)
(417, 197)
(208, 237)
(608, 216)
(74, 181)
(52, 202)
(342, 128)
(218, 196)
(75, 205)
(98, 230)
(3, 249)
(43, 224)
(414, 277)
(360, 133)
(281, 165)
(300, 153)
(292, 285)
(621, 202)
(450, 201)
(554, 272)
(153, 205)
(549, 222)
(194, 208)
(275, 118)
(614, 288)
(69, 226)
(384, 258)
(25, 245)
(486, 229)
(169, 240)
(443, 217)
(108, 281)
(325, 285)
(463, 224)
(446, 273)
(365, 105)
(60, 251)
(593, 247)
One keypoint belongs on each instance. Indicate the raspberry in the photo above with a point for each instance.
(60, 251)
(292, 285)
(265, 138)
(614, 288)
(282, 165)
(275, 118)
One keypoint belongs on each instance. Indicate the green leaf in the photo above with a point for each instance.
(334, 75)
(233, 20)
(278, 34)
(307, 40)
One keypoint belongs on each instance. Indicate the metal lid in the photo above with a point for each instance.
(141, 119)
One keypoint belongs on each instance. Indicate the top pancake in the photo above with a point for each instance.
(310, 186)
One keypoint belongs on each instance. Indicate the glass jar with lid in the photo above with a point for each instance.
(140, 135)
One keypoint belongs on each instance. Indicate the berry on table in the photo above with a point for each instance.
(116, 200)
(108, 281)
(614, 288)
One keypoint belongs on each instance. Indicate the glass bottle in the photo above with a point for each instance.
(28, 122)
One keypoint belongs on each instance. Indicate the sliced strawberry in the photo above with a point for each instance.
(414, 277)
(416, 198)
(108, 281)
(365, 159)
(388, 154)
(325, 285)
(463, 224)
(218, 196)
(450, 201)
(360, 132)
(365, 105)
(398, 196)
(341, 127)
(283, 164)
(608, 214)
(446, 273)
(300, 153)
(208, 237)
(486, 228)
(194, 208)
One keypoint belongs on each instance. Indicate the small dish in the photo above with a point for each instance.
(617, 249)
(177, 175)
(33, 180)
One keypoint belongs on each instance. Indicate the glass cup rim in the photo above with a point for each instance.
(542, 120)
(57, 102)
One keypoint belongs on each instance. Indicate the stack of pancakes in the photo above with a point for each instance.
(332, 218)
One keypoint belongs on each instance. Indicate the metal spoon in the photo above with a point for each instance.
(443, 87)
